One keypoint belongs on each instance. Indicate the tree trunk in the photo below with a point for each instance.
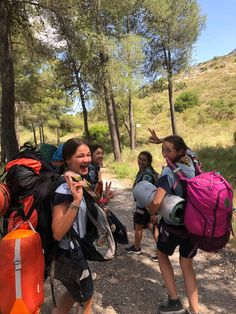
(131, 122)
(9, 140)
(40, 134)
(170, 89)
(112, 124)
(58, 136)
(172, 108)
(17, 121)
(115, 114)
(85, 113)
(34, 133)
(111, 115)
(42, 129)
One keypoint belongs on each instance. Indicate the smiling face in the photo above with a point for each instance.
(169, 151)
(80, 160)
(143, 162)
(97, 157)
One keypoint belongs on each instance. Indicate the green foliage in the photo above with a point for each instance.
(122, 170)
(219, 110)
(180, 86)
(99, 134)
(160, 85)
(235, 137)
(144, 91)
(220, 159)
(68, 123)
(156, 108)
(186, 100)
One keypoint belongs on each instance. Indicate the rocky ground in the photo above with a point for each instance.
(133, 285)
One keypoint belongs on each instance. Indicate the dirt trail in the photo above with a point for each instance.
(133, 285)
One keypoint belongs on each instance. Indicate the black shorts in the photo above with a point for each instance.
(72, 270)
(141, 217)
(168, 241)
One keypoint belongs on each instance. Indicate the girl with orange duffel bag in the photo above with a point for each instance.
(21, 272)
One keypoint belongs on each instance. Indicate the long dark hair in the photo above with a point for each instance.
(94, 147)
(149, 159)
(178, 143)
(148, 155)
(70, 147)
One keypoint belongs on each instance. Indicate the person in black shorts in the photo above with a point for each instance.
(174, 148)
(142, 218)
(70, 211)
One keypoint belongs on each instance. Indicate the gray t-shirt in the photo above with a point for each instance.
(171, 184)
(171, 177)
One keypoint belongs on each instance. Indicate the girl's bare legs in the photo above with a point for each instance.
(138, 234)
(154, 231)
(64, 304)
(167, 274)
(190, 283)
(88, 306)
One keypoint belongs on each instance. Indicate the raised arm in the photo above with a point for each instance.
(153, 138)
(64, 214)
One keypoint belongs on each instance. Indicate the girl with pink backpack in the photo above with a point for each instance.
(174, 148)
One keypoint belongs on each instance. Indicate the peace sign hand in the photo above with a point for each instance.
(108, 194)
(154, 138)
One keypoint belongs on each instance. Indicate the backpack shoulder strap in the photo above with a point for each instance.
(196, 163)
(176, 170)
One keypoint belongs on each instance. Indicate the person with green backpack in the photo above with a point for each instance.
(142, 219)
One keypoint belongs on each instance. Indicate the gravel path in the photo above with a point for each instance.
(133, 285)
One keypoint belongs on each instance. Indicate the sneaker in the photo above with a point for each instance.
(132, 250)
(172, 307)
(154, 258)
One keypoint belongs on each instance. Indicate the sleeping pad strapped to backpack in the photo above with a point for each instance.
(30, 180)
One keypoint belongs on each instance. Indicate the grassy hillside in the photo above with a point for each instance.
(211, 80)
(212, 140)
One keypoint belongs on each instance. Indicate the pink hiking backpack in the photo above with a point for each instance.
(209, 207)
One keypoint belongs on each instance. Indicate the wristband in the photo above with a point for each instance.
(103, 201)
(74, 206)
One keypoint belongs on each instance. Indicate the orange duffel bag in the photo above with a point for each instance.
(21, 273)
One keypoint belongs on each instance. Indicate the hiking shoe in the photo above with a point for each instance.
(132, 250)
(154, 258)
(172, 307)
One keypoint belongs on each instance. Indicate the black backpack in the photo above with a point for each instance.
(31, 180)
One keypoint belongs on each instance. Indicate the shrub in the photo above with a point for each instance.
(156, 109)
(180, 85)
(68, 122)
(186, 100)
(219, 110)
(144, 91)
(99, 134)
(160, 85)
(235, 137)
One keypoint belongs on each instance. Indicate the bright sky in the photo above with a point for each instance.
(219, 36)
